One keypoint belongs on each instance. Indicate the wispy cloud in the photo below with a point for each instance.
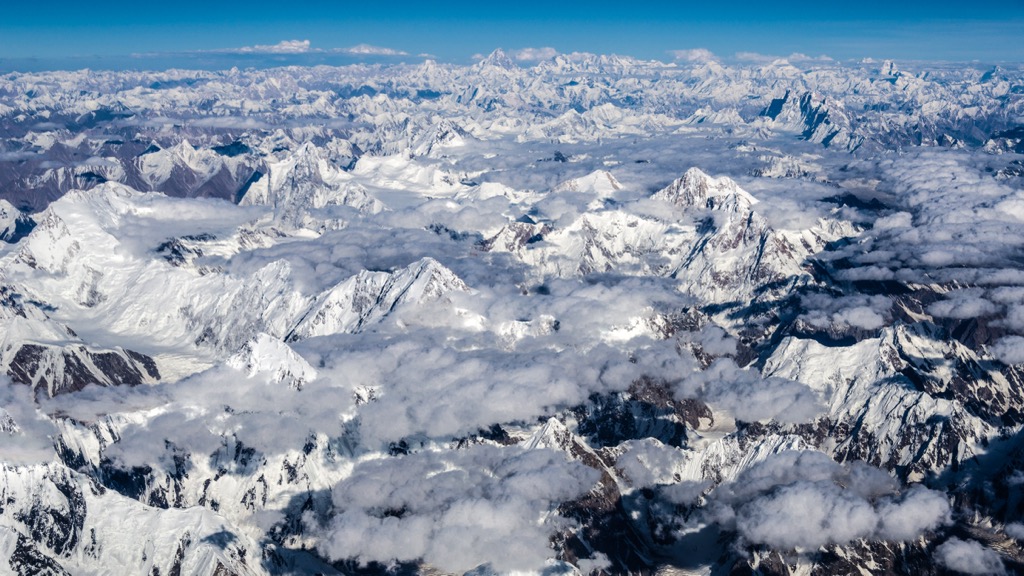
(785, 501)
(753, 57)
(693, 55)
(282, 47)
(534, 54)
(460, 509)
(369, 50)
(794, 57)
(798, 57)
(969, 557)
(292, 47)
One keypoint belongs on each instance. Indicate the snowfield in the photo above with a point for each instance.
(594, 316)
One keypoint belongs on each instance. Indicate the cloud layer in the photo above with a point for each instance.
(803, 499)
(969, 557)
(456, 511)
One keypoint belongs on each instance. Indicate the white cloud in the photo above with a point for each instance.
(917, 511)
(808, 515)
(282, 47)
(895, 221)
(456, 510)
(963, 304)
(237, 122)
(1009, 349)
(693, 55)
(685, 493)
(648, 462)
(457, 392)
(369, 50)
(1015, 530)
(271, 419)
(534, 54)
(804, 499)
(863, 312)
(969, 557)
(798, 57)
(25, 431)
(794, 466)
(861, 317)
(754, 57)
(1015, 318)
(1007, 295)
(716, 341)
(747, 396)
(956, 225)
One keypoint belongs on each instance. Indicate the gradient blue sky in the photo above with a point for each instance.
(60, 33)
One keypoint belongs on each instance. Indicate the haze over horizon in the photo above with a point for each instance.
(193, 34)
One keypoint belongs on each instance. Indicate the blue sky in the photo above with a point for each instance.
(62, 34)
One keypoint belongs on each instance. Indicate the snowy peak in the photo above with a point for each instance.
(306, 165)
(446, 134)
(428, 280)
(369, 297)
(696, 189)
(304, 182)
(268, 356)
(599, 182)
(82, 220)
(178, 165)
(889, 69)
(516, 236)
(497, 59)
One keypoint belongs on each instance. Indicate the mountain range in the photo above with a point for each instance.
(594, 316)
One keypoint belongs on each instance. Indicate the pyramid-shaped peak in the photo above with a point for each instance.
(993, 72)
(307, 149)
(426, 264)
(600, 182)
(306, 155)
(498, 59)
(889, 68)
(432, 269)
(448, 128)
(424, 281)
(699, 190)
(446, 133)
(184, 147)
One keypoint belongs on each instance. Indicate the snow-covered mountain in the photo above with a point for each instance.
(593, 316)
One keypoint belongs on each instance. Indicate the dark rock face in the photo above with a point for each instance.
(57, 528)
(27, 560)
(233, 149)
(182, 251)
(59, 370)
(23, 225)
(605, 524)
(44, 510)
(646, 410)
(773, 109)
